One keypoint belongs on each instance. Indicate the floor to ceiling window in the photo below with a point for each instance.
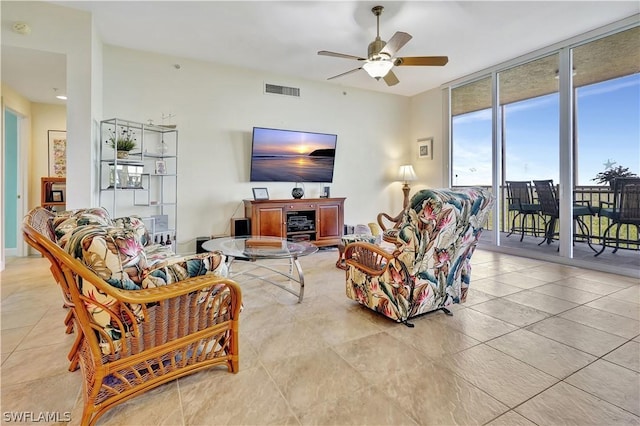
(602, 132)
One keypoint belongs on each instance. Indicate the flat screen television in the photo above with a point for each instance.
(292, 156)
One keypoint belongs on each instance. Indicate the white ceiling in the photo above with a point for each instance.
(283, 37)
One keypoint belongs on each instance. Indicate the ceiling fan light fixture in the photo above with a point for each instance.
(379, 68)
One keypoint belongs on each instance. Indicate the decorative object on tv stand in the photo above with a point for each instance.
(260, 194)
(297, 192)
(123, 142)
(406, 174)
(326, 191)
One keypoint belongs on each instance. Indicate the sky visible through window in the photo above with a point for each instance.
(608, 132)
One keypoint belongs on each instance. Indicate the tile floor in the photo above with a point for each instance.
(536, 343)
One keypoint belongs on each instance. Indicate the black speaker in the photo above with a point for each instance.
(240, 227)
(199, 242)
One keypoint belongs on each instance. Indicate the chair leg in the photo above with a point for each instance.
(513, 224)
(604, 240)
(585, 232)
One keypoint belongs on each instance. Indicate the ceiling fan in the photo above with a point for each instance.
(381, 56)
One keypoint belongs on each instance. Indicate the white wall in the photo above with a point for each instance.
(426, 121)
(216, 108)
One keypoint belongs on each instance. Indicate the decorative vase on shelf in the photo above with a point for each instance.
(162, 148)
(297, 192)
(123, 154)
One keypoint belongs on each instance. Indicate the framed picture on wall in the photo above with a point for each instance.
(57, 153)
(425, 148)
(57, 196)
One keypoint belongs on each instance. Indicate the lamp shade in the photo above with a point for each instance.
(378, 68)
(406, 173)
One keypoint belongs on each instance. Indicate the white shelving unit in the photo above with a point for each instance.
(145, 183)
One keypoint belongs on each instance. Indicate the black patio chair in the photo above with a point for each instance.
(548, 199)
(624, 210)
(520, 200)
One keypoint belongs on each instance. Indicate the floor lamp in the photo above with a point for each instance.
(406, 174)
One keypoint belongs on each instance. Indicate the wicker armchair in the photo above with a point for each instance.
(430, 267)
(131, 341)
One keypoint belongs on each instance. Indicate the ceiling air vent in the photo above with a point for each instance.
(281, 90)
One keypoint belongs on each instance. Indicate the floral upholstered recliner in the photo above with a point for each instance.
(430, 267)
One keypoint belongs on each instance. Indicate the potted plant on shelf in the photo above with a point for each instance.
(609, 175)
(123, 143)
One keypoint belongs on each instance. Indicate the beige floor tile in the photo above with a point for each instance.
(607, 278)
(585, 284)
(337, 330)
(511, 418)
(618, 307)
(628, 355)
(476, 324)
(433, 338)
(520, 279)
(379, 355)
(368, 406)
(10, 338)
(603, 320)
(278, 342)
(216, 397)
(31, 364)
(552, 272)
(630, 294)
(547, 355)
(17, 316)
(566, 293)
(501, 376)
(568, 405)
(265, 317)
(475, 296)
(433, 395)
(623, 385)
(493, 287)
(160, 406)
(303, 378)
(49, 330)
(43, 395)
(511, 312)
(541, 302)
(581, 337)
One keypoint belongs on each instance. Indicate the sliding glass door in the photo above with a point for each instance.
(567, 117)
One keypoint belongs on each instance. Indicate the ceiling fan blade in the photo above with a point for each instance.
(391, 79)
(396, 42)
(422, 60)
(340, 55)
(345, 73)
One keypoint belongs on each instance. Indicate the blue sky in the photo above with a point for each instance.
(608, 130)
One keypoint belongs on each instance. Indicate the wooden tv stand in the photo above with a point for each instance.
(318, 220)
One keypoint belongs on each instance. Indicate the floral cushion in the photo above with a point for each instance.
(115, 250)
(431, 265)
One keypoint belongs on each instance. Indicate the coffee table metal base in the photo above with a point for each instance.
(293, 263)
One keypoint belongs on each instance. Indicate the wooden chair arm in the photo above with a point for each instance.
(368, 258)
(394, 220)
(156, 294)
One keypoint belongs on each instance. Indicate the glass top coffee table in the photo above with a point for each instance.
(254, 249)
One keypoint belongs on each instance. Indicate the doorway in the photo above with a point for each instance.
(12, 185)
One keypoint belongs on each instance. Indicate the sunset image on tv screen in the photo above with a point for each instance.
(292, 156)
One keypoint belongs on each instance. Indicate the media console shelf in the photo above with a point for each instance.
(318, 220)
